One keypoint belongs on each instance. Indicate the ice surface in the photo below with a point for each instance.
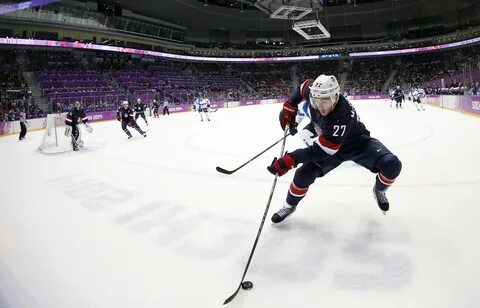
(148, 222)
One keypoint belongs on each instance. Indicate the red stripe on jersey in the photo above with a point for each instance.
(328, 144)
(305, 86)
(296, 191)
(385, 180)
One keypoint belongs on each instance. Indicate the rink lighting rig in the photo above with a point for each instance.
(290, 12)
(311, 29)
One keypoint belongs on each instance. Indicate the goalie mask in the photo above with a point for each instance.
(77, 105)
(324, 93)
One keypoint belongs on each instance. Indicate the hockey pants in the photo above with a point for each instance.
(141, 114)
(131, 124)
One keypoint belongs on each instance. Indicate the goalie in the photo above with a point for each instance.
(75, 115)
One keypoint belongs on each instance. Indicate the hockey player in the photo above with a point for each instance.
(140, 110)
(308, 132)
(417, 94)
(165, 107)
(125, 115)
(155, 106)
(399, 97)
(75, 115)
(340, 136)
(392, 97)
(202, 105)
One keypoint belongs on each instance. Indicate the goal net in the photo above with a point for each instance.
(54, 139)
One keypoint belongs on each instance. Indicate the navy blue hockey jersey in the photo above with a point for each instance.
(124, 114)
(140, 107)
(74, 116)
(340, 129)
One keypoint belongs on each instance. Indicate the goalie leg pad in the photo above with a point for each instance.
(68, 131)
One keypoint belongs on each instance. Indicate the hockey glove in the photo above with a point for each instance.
(287, 115)
(293, 129)
(68, 131)
(119, 118)
(88, 128)
(282, 165)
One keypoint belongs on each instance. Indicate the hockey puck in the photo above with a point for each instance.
(247, 285)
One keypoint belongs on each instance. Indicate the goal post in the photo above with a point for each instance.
(54, 139)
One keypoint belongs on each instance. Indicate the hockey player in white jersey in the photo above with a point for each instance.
(207, 102)
(417, 95)
(309, 133)
(392, 99)
(202, 105)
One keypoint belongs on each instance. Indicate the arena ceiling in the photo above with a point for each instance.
(237, 21)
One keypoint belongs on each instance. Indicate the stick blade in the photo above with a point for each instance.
(228, 300)
(221, 170)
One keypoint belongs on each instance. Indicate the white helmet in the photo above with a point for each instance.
(125, 104)
(325, 86)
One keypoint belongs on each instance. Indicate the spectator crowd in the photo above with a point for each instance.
(101, 80)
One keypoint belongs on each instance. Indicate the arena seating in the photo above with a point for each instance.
(102, 80)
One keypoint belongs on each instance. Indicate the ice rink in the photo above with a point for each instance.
(148, 222)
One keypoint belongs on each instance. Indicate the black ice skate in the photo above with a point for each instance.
(283, 213)
(381, 199)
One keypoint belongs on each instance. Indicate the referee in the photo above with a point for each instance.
(23, 125)
(165, 107)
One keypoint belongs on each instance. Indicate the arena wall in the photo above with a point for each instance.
(13, 127)
(466, 104)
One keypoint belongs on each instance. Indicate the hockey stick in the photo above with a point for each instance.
(74, 141)
(228, 300)
(221, 170)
